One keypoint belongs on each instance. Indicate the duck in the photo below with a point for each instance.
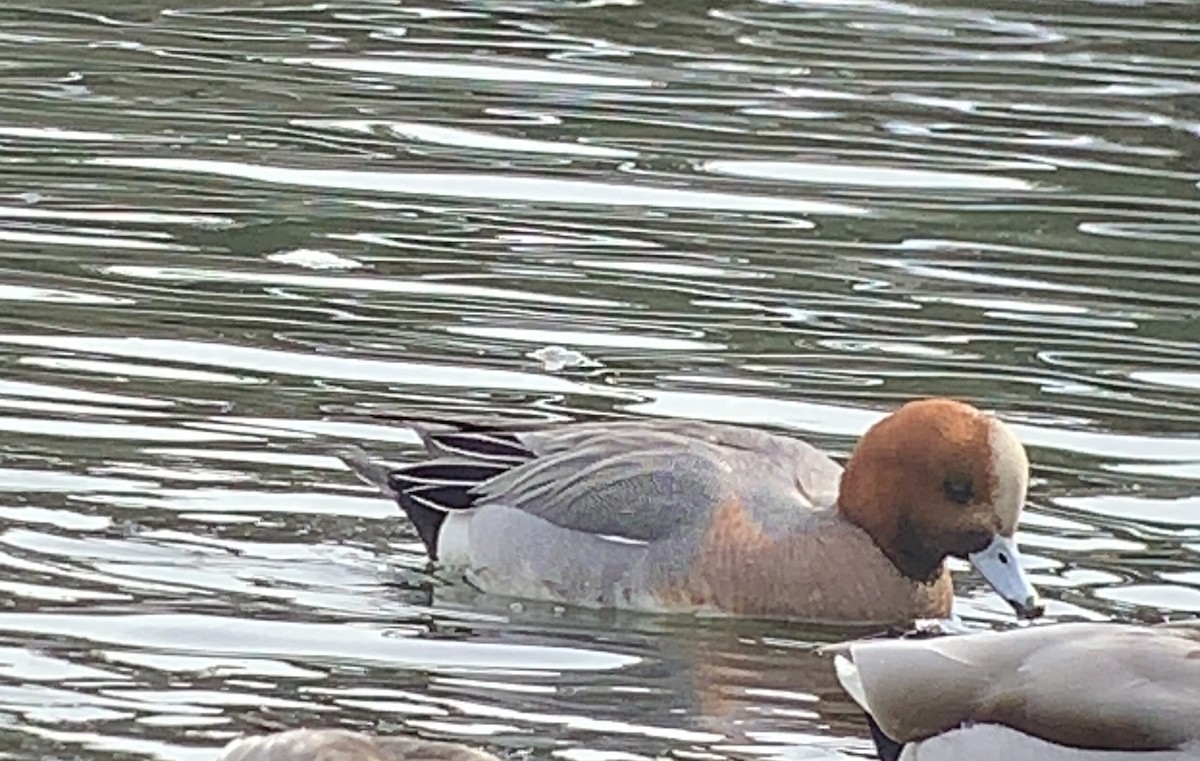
(688, 516)
(1095, 691)
(317, 744)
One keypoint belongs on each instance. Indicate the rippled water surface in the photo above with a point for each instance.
(234, 235)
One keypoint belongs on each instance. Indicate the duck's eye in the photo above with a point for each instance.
(958, 490)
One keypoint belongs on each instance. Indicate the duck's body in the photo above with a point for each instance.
(692, 516)
(344, 745)
(1065, 692)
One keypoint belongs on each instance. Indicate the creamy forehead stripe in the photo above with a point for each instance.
(1010, 468)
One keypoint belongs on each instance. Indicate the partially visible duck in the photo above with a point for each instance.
(1062, 692)
(670, 515)
(344, 745)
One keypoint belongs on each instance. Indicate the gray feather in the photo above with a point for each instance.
(373, 472)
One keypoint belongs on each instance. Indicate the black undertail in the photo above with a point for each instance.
(887, 748)
(464, 458)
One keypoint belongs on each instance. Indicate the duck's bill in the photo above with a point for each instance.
(1000, 564)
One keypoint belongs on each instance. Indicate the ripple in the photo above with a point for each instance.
(491, 72)
(1163, 596)
(865, 176)
(1185, 380)
(107, 431)
(56, 296)
(215, 635)
(280, 362)
(577, 338)
(1181, 511)
(98, 240)
(118, 216)
(485, 186)
(327, 282)
(40, 391)
(464, 138)
(129, 369)
(56, 133)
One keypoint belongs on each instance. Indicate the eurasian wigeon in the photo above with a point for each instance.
(344, 745)
(1063, 692)
(672, 515)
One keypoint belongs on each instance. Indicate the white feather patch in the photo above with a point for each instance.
(847, 674)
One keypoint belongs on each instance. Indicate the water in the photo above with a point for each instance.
(234, 234)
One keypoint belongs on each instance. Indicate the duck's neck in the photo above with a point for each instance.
(910, 555)
(894, 536)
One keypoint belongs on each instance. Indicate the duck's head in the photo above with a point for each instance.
(939, 478)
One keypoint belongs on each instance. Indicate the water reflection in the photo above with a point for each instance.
(493, 188)
(233, 238)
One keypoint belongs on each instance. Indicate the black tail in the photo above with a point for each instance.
(463, 458)
(427, 491)
(887, 748)
(427, 521)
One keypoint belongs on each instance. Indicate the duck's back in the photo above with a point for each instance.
(654, 477)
